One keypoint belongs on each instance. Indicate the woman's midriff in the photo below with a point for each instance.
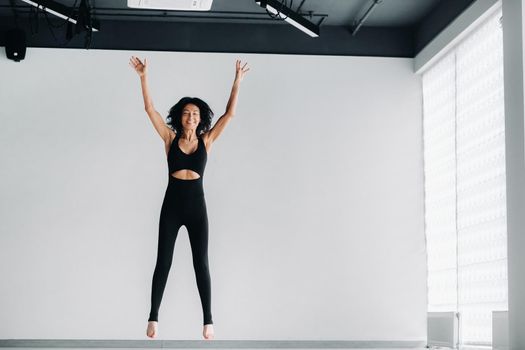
(185, 174)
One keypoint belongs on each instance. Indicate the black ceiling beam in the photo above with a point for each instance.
(359, 23)
(278, 38)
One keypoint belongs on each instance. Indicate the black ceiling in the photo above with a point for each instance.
(394, 28)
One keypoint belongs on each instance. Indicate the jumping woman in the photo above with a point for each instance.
(188, 139)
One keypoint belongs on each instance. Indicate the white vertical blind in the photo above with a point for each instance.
(481, 205)
(439, 93)
(465, 205)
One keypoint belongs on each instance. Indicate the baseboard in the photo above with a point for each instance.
(214, 344)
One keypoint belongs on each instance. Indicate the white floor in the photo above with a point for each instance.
(40, 348)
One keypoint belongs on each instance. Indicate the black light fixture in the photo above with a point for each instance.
(15, 39)
(15, 44)
(279, 9)
(62, 11)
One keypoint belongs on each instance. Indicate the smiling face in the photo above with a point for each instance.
(191, 116)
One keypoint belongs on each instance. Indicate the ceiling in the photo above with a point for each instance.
(338, 12)
(394, 28)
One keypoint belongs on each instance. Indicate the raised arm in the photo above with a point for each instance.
(221, 123)
(155, 117)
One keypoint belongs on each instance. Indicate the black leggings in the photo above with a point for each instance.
(183, 204)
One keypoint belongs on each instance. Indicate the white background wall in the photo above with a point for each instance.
(314, 195)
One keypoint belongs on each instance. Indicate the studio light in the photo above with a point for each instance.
(277, 8)
(56, 9)
(172, 5)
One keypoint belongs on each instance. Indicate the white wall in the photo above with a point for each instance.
(314, 194)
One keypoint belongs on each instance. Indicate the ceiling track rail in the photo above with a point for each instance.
(365, 16)
(125, 12)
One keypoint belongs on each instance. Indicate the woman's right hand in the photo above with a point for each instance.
(139, 67)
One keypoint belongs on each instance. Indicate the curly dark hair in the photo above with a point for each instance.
(174, 118)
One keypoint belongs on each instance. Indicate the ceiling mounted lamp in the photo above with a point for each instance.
(277, 8)
(173, 5)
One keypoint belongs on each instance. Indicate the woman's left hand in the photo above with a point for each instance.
(240, 71)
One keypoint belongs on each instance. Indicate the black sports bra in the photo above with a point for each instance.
(195, 161)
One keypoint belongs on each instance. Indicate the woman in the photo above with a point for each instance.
(188, 139)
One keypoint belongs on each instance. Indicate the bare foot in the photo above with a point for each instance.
(207, 332)
(152, 329)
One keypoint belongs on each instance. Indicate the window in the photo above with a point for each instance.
(464, 161)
